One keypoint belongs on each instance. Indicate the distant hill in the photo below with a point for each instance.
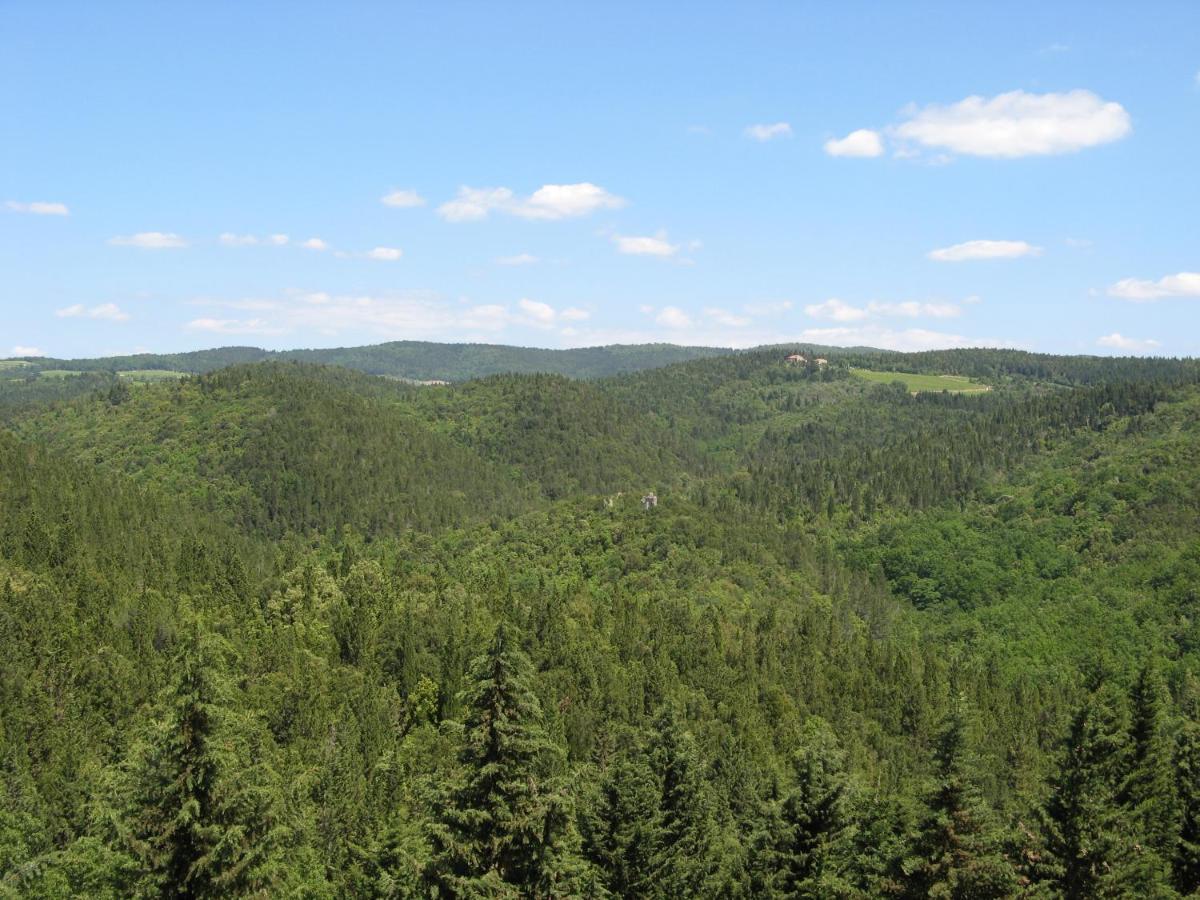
(417, 360)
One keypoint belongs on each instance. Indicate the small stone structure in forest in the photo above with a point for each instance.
(650, 501)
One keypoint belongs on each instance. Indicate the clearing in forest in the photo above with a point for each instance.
(957, 384)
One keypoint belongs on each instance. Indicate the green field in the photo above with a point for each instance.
(955, 384)
(58, 373)
(152, 374)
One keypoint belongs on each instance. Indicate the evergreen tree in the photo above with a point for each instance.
(1148, 792)
(685, 860)
(808, 829)
(620, 825)
(1186, 857)
(505, 828)
(956, 852)
(200, 822)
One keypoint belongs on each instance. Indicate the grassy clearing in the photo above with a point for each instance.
(152, 375)
(955, 384)
(58, 373)
(14, 364)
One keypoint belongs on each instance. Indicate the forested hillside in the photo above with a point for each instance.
(415, 360)
(290, 630)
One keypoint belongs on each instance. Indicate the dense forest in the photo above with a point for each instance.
(413, 360)
(652, 623)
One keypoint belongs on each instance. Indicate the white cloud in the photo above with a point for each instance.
(909, 339)
(673, 317)
(646, 246)
(385, 254)
(150, 240)
(725, 318)
(1118, 341)
(837, 310)
(542, 313)
(315, 243)
(26, 351)
(230, 239)
(769, 308)
(109, 311)
(984, 250)
(765, 133)
(574, 314)
(402, 199)
(861, 143)
(38, 208)
(520, 259)
(1018, 124)
(549, 202)
(1184, 284)
(233, 326)
(913, 309)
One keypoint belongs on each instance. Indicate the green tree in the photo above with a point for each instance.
(956, 852)
(506, 826)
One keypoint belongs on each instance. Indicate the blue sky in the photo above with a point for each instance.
(178, 176)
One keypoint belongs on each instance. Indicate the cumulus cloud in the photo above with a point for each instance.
(1183, 284)
(385, 254)
(1118, 341)
(836, 310)
(109, 311)
(402, 199)
(150, 240)
(520, 259)
(542, 313)
(658, 245)
(673, 317)
(861, 143)
(230, 239)
(20, 350)
(549, 202)
(726, 318)
(839, 311)
(908, 339)
(38, 208)
(413, 314)
(1017, 124)
(984, 250)
(764, 133)
(315, 243)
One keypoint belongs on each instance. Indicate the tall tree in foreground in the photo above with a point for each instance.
(199, 817)
(506, 829)
(957, 852)
(1186, 858)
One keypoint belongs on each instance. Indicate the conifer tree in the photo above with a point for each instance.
(956, 851)
(506, 828)
(809, 827)
(199, 822)
(1081, 819)
(1186, 856)
(1148, 791)
(684, 862)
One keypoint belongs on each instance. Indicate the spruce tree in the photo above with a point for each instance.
(809, 831)
(1148, 791)
(1186, 855)
(505, 828)
(956, 851)
(1081, 820)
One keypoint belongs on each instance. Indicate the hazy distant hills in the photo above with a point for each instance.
(419, 360)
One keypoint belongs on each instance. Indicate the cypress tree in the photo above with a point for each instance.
(505, 828)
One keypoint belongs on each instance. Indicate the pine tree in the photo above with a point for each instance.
(956, 852)
(506, 828)
(808, 829)
(685, 856)
(199, 819)
(621, 823)
(1148, 791)
(1186, 856)
(1081, 819)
